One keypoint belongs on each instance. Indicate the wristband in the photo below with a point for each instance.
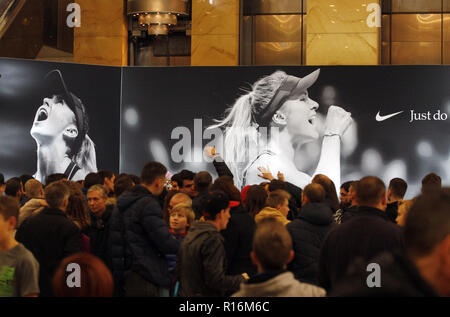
(332, 134)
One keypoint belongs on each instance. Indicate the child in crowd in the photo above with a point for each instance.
(19, 270)
(272, 251)
(181, 217)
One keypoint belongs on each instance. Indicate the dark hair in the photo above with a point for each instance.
(136, 179)
(177, 178)
(272, 244)
(346, 185)
(103, 174)
(92, 179)
(427, 222)
(277, 198)
(330, 190)
(370, 190)
(122, 183)
(2, 179)
(277, 184)
(315, 193)
(255, 200)
(431, 182)
(398, 187)
(13, 186)
(202, 180)
(225, 184)
(56, 177)
(186, 175)
(152, 171)
(56, 193)
(96, 279)
(215, 202)
(77, 209)
(9, 207)
(25, 178)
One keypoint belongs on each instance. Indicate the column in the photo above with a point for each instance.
(338, 33)
(102, 38)
(215, 33)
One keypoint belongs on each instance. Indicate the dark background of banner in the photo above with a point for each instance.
(22, 93)
(160, 99)
(132, 116)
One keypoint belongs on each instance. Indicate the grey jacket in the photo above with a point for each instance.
(282, 285)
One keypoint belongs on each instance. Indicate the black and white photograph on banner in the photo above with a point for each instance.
(345, 122)
(58, 118)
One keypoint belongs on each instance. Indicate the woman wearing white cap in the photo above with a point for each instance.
(60, 130)
(266, 127)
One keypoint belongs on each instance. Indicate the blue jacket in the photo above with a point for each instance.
(140, 238)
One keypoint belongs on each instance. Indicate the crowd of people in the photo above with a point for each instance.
(192, 235)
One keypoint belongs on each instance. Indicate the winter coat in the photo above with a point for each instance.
(308, 232)
(367, 234)
(238, 241)
(201, 264)
(140, 238)
(31, 207)
(98, 233)
(399, 278)
(269, 212)
(281, 285)
(51, 237)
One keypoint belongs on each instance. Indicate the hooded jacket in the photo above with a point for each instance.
(308, 232)
(201, 264)
(282, 285)
(140, 238)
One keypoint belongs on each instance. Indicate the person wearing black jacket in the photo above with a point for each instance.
(201, 261)
(367, 234)
(422, 270)
(50, 235)
(140, 238)
(308, 232)
(202, 181)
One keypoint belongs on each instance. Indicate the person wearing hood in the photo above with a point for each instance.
(140, 238)
(308, 231)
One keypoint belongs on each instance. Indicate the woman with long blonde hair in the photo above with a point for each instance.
(267, 126)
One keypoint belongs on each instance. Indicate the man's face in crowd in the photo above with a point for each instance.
(188, 187)
(109, 183)
(345, 197)
(97, 203)
(224, 218)
(284, 209)
(6, 227)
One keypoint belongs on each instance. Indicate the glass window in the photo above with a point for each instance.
(416, 5)
(411, 53)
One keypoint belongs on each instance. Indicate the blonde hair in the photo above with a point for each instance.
(185, 209)
(86, 158)
(241, 129)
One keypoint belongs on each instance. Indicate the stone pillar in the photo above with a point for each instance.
(338, 33)
(102, 38)
(215, 33)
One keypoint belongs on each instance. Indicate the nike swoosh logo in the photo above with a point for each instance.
(380, 118)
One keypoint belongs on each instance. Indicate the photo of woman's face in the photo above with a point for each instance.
(52, 118)
(300, 116)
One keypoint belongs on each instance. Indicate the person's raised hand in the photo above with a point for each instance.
(337, 121)
(265, 173)
(280, 176)
(210, 151)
